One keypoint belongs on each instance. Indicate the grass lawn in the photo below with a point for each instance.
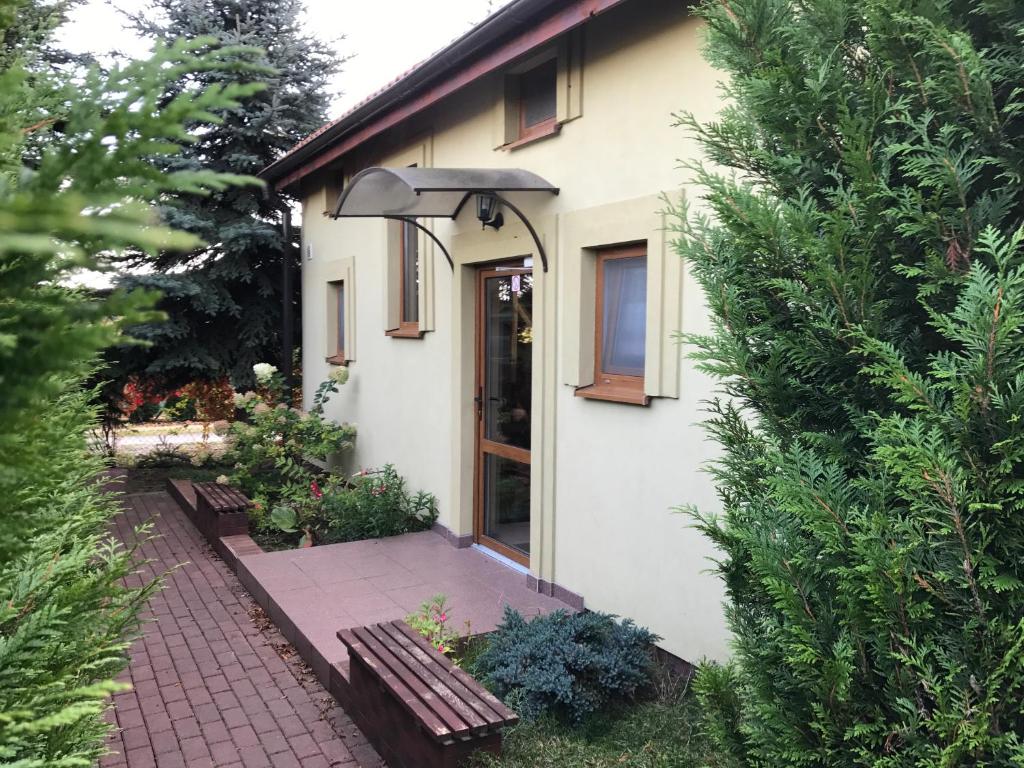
(662, 733)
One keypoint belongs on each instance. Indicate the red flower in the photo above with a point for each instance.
(315, 490)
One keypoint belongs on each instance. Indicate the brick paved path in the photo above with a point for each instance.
(210, 685)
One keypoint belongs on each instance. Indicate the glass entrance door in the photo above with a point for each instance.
(504, 405)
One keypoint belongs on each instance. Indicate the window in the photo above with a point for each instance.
(531, 104)
(410, 276)
(339, 315)
(620, 326)
(538, 99)
(338, 312)
(408, 279)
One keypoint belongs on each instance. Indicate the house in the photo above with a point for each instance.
(484, 247)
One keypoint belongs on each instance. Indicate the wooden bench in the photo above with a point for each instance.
(417, 708)
(221, 510)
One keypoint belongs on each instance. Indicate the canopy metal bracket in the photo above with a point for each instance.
(428, 233)
(526, 222)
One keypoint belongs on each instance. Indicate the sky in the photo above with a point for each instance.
(385, 37)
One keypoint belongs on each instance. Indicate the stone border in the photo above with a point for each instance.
(234, 548)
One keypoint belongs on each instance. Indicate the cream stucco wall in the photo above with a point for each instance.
(605, 475)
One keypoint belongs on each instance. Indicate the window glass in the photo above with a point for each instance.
(340, 287)
(410, 274)
(508, 359)
(538, 94)
(624, 316)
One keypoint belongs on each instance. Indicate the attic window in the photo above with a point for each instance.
(538, 96)
(533, 98)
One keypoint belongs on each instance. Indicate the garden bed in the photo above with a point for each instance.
(651, 722)
(663, 732)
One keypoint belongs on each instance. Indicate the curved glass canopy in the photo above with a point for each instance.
(411, 193)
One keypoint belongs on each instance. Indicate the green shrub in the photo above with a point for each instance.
(862, 256)
(270, 448)
(569, 665)
(69, 199)
(377, 505)
(64, 614)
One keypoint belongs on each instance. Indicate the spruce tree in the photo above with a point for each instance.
(224, 301)
(862, 256)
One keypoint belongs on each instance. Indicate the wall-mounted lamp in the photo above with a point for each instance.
(487, 211)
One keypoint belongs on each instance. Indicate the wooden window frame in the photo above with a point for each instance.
(407, 329)
(613, 387)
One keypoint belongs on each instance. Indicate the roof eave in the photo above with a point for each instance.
(518, 16)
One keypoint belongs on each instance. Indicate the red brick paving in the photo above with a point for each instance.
(209, 685)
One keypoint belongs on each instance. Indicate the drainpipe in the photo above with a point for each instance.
(287, 295)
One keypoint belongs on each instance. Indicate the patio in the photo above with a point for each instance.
(312, 593)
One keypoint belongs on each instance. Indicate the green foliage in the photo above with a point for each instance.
(223, 299)
(568, 665)
(433, 621)
(864, 268)
(285, 518)
(269, 449)
(377, 505)
(326, 509)
(69, 200)
(64, 614)
(662, 733)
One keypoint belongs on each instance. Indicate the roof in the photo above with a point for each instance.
(510, 32)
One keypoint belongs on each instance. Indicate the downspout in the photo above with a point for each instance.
(287, 306)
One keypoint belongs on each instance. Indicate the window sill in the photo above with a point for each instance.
(539, 133)
(627, 395)
(405, 333)
(336, 360)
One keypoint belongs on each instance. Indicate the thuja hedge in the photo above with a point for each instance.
(75, 186)
(864, 267)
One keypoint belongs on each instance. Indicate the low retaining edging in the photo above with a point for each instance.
(231, 541)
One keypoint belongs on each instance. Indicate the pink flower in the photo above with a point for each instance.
(315, 490)
(440, 647)
(443, 617)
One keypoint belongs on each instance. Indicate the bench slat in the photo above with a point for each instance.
(438, 684)
(222, 498)
(507, 715)
(469, 694)
(456, 726)
(368, 656)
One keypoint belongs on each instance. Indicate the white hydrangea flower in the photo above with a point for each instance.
(339, 375)
(264, 371)
(222, 480)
